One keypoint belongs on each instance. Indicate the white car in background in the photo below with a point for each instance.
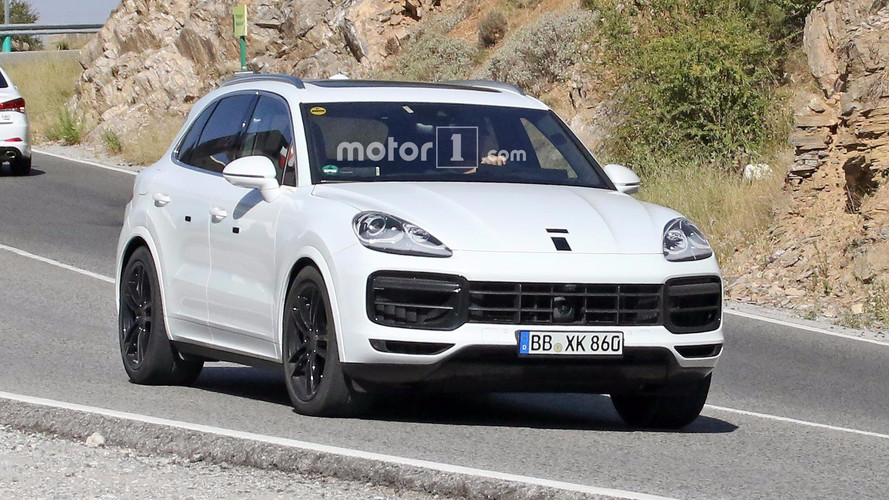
(15, 132)
(374, 236)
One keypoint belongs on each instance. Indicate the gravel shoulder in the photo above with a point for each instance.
(41, 466)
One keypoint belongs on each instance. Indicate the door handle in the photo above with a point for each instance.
(161, 199)
(218, 214)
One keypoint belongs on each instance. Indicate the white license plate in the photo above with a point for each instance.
(571, 344)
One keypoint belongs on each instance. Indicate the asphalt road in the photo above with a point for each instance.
(57, 341)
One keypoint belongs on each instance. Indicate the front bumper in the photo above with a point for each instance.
(480, 355)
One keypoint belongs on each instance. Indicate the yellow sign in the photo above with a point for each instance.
(239, 16)
(318, 111)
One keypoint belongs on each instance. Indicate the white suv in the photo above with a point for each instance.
(376, 236)
(15, 133)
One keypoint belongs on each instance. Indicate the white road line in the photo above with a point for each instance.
(804, 327)
(798, 422)
(346, 452)
(56, 263)
(86, 162)
(108, 279)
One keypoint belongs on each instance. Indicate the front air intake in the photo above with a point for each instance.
(693, 305)
(429, 302)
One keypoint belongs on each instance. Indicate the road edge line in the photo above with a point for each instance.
(85, 162)
(799, 326)
(218, 445)
(796, 421)
(53, 262)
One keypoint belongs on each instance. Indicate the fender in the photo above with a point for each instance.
(145, 235)
(321, 262)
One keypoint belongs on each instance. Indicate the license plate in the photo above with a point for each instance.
(571, 344)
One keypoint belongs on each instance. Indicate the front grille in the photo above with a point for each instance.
(431, 302)
(444, 302)
(693, 304)
(564, 304)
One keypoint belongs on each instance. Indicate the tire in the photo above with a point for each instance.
(312, 370)
(21, 167)
(148, 356)
(671, 408)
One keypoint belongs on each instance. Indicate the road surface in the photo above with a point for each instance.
(58, 341)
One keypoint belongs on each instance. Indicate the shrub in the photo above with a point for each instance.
(542, 52)
(704, 88)
(492, 29)
(112, 142)
(67, 128)
(433, 56)
(523, 4)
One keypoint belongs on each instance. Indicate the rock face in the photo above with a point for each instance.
(158, 56)
(831, 242)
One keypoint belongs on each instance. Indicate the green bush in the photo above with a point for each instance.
(705, 88)
(67, 128)
(433, 56)
(112, 142)
(541, 53)
(492, 29)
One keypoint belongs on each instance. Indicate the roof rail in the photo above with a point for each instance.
(489, 84)
(264, 77)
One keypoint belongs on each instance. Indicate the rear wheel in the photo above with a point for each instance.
(312, 370)
(22, 166)
(148, 356)
(664, 409)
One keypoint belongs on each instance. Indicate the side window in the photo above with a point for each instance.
(186, 147)
(270, 134)
(219, 142)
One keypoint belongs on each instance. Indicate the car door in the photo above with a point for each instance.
(179, 222)
(182, 200)
(241, 291)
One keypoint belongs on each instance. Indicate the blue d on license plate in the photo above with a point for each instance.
(571, 344)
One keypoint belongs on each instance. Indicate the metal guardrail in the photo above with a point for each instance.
(48, 29)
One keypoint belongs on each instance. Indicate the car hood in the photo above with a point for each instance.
(514, 217)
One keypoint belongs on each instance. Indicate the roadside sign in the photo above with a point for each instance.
(239, 16)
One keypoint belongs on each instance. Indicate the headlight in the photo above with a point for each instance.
(684, 241)
(387, 233)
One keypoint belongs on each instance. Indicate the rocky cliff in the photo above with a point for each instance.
(158, 56)
(829, 250)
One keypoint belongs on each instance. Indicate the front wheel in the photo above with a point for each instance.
(312, 370)
(148, 356)
(664, 410)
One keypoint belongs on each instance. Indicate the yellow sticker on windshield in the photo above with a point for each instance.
(318, 111)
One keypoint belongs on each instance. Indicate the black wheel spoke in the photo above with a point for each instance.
(129, 335)
(306, 340)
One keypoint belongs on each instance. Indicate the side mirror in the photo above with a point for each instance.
(625, 180)
(254, 172)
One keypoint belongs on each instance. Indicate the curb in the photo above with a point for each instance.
(252, 451)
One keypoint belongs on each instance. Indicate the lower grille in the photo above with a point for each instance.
(430, 302)
(693, 305)
(564, 304)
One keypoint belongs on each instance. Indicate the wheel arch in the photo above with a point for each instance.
(309, 256)
(140, 237)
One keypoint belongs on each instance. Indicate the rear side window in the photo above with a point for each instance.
(220, 138)
(3, 83)
(270, 134)
(186, 147)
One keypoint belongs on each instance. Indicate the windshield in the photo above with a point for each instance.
(380, 141)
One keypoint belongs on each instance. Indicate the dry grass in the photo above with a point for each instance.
(151, 142)
(732, 211)
(46, 86)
